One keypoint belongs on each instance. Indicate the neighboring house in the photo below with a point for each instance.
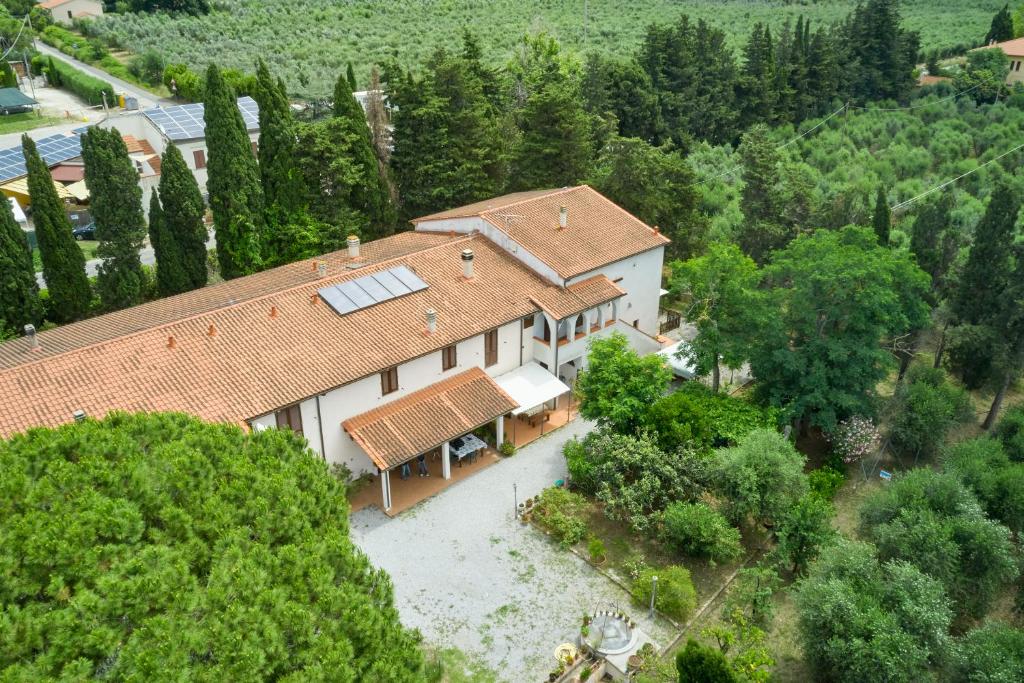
(375, 354)
(1014, 49)
(66, 11)
(182, 125)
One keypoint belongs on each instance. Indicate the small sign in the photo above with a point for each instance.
(887, 476)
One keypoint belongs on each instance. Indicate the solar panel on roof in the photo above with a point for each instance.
(185, 121)
(363, 292)
(53, 149)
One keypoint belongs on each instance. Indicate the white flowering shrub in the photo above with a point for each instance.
(855, 438)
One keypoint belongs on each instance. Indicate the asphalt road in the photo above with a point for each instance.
(146, 99)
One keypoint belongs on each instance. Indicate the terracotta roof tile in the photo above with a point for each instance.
(257, 362)
(1013, 48)
(425, 419)
(598, 232)
(583, 295)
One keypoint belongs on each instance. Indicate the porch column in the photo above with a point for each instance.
(499, 429)
(446, 461)
(385, 484)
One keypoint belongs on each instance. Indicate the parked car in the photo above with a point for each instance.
(85, 232)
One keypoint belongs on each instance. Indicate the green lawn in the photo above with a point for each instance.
(88, 248)
(16, 123)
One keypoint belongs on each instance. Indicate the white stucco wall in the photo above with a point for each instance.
(364, 394)
(641, 279)
(66, 13)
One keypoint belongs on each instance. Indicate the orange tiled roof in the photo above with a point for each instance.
(1013, 48)
(413, 424)
(585, 294)
(244, 348)
(155, 163)
(598, 233)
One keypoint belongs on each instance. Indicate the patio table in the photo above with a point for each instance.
(465, 446)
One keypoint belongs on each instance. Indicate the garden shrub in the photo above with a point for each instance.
(635, 479)
(925, 407)
(596, 549)
(696, 529)
(559, 511)
(90, 89)
(826, 481)
(854, 438)
(676, 596)
(729, 418)
(678, 421)
(698, 663)
(1010, 431)
(998, 482)
(760, 478)
(581, 467)
(988, 654)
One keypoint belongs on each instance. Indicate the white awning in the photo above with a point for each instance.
(680, 366)
(530, 385)
(662, 292)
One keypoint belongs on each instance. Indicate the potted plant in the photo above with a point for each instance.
(585, 631)
(507, 448)
(597, 552)
(585, 672)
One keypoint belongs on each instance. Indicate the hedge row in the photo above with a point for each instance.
(91, 89)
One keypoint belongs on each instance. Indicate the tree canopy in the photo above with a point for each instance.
(142, 544)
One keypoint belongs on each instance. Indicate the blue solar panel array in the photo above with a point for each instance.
(355, 295)
(53, 149)
(185, 121)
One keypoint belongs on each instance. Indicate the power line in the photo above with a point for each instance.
(925, 104)
(24, 23)
(950, 182)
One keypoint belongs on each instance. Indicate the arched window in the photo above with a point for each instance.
(581, 325)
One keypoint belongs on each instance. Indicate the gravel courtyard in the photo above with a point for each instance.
(467, 574)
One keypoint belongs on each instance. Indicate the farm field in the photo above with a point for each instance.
(308, 42)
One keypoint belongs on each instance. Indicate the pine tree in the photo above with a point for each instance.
(762, 230)
(881, 53)
(350, 76)
(556, 148)
(183, 231)
(63, 262)
(19, 292)
(282, 189)
(756, 86)
(236, 197)
(881, 219)
(1001, 28)
(116, 206)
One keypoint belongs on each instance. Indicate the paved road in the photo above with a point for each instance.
(146, 98)
(468, 575)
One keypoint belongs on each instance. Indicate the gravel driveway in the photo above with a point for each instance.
(467, 574)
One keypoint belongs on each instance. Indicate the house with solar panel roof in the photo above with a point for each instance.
(410, 360)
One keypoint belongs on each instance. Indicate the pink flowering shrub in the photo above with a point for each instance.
(855, 438)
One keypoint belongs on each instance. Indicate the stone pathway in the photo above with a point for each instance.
(467, 574)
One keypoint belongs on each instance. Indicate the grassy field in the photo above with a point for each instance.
(16, 123)
(88, 248)
(308, 42)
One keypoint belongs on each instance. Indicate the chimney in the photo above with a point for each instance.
(314, 298)
(321, 268)
(30, 334)
(171, 343)
(467, 263)
(431, 321)
(563, 217)
(353, 246)
(79, 415)
(273, 311)
(212, 332)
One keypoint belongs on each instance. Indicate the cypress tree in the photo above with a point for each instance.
(762, 230)
(350, 76)
(1001, 28)
(181, 213)
(421, 142)
(19, 293)
(63, 262)
(279, 177)
(171, 277)
(116, 205)
(881, 219)
(236, 197)
(989, 264)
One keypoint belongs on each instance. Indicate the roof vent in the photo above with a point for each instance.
(431, 321)
(171, 343)
(353, 246)
(273, 311)
(321, 268)
(30, 334)
(563, 217)
(79, 415)
(212, 332)
(467, 263)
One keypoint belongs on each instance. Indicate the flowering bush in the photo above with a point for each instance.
(855, 438)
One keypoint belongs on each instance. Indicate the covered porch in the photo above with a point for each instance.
(545, 403)
(410, 440)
